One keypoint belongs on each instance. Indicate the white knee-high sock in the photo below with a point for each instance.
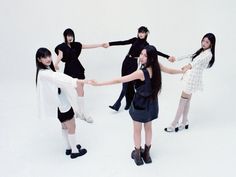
(82, 111)
(185, 112)
(73, 142)
(81, 104)
(182, 103)
(65, 138)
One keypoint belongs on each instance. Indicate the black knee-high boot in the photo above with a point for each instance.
(129, 95)
(117, 104)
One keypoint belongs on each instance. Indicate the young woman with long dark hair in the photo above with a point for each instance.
(200, 60)
(144, 107)
(58, 103)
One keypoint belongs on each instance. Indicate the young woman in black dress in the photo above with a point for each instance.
(144, 106)
(69, 52)
(130, 64)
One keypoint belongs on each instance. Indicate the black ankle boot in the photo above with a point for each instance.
(68, 151)
(145, 154)
(80, 153)
(116, 106)
(136, 155)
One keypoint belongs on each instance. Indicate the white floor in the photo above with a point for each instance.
(30, 147)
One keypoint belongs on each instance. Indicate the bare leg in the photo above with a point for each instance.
(137, 126)
(148, 133)
(80, 90)
(70, 124)
(148, 140)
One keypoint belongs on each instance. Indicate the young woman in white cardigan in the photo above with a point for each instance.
(55, 102)
(202, 59)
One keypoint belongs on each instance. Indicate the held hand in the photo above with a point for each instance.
(86, 81)
(93, 82)
(105, 45)
(171, 59)
(185, 68)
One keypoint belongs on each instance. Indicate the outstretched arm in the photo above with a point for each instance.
(170, 70)
(92, 46)
(125, 42)
(170, 58)
(189, 56)
(133, 76)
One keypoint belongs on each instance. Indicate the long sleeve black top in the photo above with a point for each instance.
(137, 46)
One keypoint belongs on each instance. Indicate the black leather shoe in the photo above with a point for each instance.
(78, 154)
(115, 107)
(68, 151)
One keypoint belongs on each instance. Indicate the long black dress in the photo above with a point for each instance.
(130, 65)
(73, 67)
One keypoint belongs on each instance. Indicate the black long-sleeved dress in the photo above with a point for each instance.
(130, 65)
(73, 67)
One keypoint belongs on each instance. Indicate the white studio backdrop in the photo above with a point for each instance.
(176, 28)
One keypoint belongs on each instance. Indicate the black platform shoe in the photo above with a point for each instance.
(80, 153)
(146, 155)
(171, 129)
(183, 126)
(136, 155)
(116, 106)
(68, 151)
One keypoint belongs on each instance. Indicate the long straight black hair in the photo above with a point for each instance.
(68, 32)
(152, 61)
(212, 39)
(42, 53)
